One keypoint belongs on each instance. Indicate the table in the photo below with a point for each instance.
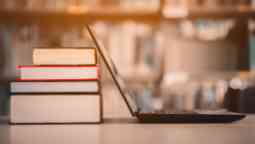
(129, 132)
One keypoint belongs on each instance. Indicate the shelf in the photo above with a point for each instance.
(240, 12)
(120, 15)
(217, 13)
(26, 17)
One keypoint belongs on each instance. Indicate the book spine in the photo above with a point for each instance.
(39, 55)
(36, 91)
(16, 119)
(54, 76)
(53, 80)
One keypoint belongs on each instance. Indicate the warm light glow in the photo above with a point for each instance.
(78, 9)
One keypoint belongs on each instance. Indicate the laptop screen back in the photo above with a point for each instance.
(120, 83)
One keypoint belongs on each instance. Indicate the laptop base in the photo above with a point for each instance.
(189, 118)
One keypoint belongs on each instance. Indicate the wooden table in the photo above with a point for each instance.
(242, 132)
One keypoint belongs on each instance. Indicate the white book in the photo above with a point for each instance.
(55, 87)
(55, 109)
(64, 56)
(59, 73)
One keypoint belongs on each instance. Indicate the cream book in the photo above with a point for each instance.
(55, 73)
(55, 87)
(55, 109)
(65, 56)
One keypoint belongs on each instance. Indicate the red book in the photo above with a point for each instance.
(55, 73)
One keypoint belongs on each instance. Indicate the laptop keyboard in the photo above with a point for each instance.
(213, 112)
(171, 112)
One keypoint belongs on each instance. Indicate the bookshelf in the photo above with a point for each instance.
(109, 16)
(219, 13)
(116, 14)
(24, 17)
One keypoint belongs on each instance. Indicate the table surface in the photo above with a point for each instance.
(124, 132)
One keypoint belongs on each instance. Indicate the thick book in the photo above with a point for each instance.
(32, 109)
(54, 87)
(78, 56)
(53, 73)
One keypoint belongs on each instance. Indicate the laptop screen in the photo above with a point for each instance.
(120, 83)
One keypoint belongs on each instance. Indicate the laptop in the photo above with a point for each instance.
(154, 116)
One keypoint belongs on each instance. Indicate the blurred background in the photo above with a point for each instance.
(196, 53)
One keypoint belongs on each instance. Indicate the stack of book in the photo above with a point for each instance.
(61, 87)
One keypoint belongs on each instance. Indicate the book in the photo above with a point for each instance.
(65, 56)
(53, 73)
(140, 5)
(176, 8)
(49, 108)
(55, 87)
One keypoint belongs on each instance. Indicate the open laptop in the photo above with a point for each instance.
(154, 116)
